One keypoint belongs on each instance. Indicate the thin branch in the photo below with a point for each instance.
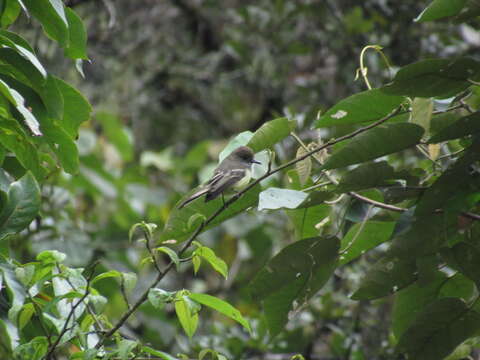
(71, 313)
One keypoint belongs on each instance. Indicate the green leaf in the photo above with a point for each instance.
(25, 65)
(61, 144)
(363, 107)
(77, 47)
(271, 133)
(292, 276)
(465, 258)
(106, 275)
(307, 219)
(366, 176)
(409, 302)
(456, 177)
(222, 307)
(25, 315)
(439, 9)
(14, 139)
(379, 141)
(51, 257)
(209, 255)
(276, 198)
(187, 314)
(467, 125)
(434, 78)
(125, 347)
(423, 235)
(177, 223)
(19, 102)
(241, 139)
(363, 237)
(51, 15)
(22, 206)
(439, 329)
(388, 275)
(129, 280)
(77, 108)
(422, 110)
(160, 354)
(159, 297)
(35, 349)
(10, 12)
(171, 254)
(116, 133)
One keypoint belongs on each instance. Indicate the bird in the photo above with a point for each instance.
(233, 172)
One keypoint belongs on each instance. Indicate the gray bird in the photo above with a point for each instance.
(233, 172)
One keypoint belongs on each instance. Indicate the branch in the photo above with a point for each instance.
(226, 204)
(70, 314)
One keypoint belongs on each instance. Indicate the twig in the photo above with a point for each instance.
(71, 313)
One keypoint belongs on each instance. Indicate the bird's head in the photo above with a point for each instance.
(244, 153)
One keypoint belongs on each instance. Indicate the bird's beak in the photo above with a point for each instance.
(256, 162)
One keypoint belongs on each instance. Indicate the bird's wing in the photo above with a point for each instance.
(222, 180)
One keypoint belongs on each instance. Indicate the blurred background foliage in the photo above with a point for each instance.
(170, 82)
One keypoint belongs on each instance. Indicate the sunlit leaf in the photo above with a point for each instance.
(366, 106)
(276, 198)
(271, 133)
(222, 307)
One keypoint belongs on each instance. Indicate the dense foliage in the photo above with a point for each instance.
(358, 237)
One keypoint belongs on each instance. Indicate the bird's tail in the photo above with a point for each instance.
(192, 197)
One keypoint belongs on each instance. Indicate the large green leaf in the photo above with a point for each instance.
(77, 47)
(465, 258)
(366, 106)
(221, 306)
(439, 329)
(293, 276)
(22, 206)
(412, 300)
(51, 14)
(363, 237)
(76, 109)
(271, 133)
(187, 313)
(434, 77)
(439, 9)
(177, 226)
(446, 187)
(25, 68)
(467, 125)
(14, 139)
(306, 219)
(374, 143)
(387, 276)
(366, 176)
(10, 12)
